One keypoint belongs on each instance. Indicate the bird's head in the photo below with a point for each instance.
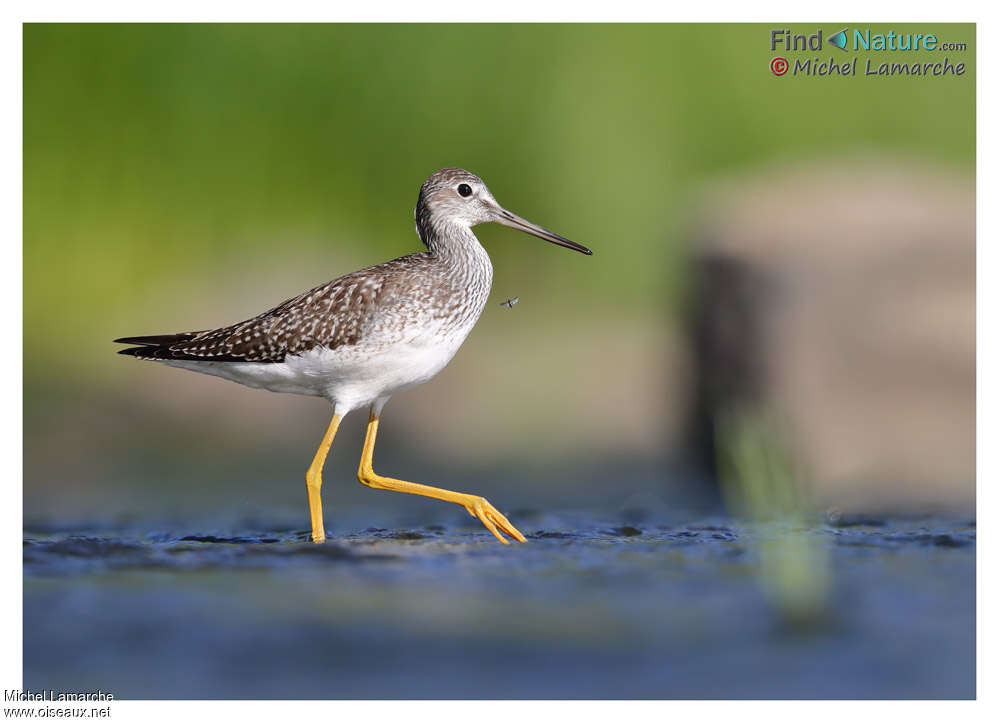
(455, 196)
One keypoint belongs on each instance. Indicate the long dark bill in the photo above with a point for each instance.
(522, 224)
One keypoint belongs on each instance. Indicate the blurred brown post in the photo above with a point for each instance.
(842, 296)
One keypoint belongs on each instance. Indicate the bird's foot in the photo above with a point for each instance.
(492, 518)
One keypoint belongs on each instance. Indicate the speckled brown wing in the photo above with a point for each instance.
(331, 315)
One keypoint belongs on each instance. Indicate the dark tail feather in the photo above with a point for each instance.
(154, 347)
(157, 340)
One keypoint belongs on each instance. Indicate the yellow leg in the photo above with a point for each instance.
(314, 480)
(477, 506)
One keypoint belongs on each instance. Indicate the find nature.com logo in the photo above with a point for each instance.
(860, 40)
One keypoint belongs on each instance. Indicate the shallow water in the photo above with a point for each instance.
(590, 608)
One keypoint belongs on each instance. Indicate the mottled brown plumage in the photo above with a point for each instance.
(339, 312)
(332, 315)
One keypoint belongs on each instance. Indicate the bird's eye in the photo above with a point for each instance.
(464, 190)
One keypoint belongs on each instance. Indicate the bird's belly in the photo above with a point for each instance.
(355, 376)
(350, 376)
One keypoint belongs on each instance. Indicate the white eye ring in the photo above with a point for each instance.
(464, 190)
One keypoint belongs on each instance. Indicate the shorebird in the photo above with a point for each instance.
(361, 338)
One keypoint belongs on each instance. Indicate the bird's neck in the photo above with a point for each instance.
(460, 254)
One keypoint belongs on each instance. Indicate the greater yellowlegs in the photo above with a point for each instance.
(362, 337)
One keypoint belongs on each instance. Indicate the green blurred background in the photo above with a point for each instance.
(181, 177)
